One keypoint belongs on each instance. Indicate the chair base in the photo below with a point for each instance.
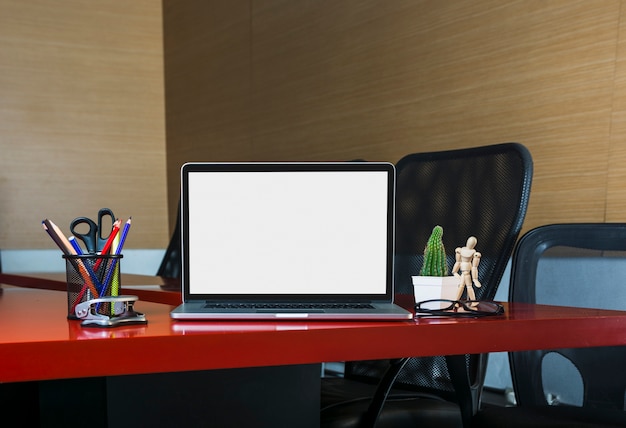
(419, 412)
(344, 402)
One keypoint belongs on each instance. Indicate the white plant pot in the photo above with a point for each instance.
(435, 287)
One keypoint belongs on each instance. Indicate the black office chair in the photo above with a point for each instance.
(171, 265)
(572, 265)
(481, 191)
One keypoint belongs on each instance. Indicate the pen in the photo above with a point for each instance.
(75, 245)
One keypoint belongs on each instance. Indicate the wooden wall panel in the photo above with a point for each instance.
(616, 189)
(207, 69)
(81, 117)
(382, 79)
(379, 79)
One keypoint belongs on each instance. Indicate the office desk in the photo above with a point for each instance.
(37, 343)
(34, 324)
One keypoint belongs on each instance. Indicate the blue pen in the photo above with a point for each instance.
(79, 251)
(118, 251)
(72, 239)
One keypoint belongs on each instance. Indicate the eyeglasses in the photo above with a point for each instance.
(458, 308)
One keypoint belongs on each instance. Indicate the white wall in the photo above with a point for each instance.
(142, 262)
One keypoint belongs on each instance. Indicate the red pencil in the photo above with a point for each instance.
(107, 245)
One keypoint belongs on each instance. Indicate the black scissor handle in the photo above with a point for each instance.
(93, 238)
(89, 237)
(104, 212)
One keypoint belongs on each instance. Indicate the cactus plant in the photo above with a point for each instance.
(435, 263)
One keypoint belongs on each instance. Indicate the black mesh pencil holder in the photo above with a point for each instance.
(91, 276)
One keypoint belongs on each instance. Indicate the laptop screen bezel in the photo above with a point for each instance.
(208, 167)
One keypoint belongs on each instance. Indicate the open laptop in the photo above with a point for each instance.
(288, 241)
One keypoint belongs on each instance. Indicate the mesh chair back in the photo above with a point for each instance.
(481, 192)
(172, 265)
(573, 265)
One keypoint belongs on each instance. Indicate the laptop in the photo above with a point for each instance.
(288, 241)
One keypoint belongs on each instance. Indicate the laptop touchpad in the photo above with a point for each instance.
(291, 311)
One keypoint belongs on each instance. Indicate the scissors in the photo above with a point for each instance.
(93, 239)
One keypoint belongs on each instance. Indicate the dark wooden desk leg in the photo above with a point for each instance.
(273, 397)
(73, 402)
(19, 404)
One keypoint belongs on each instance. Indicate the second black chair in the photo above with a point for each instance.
(171, 265)
(572, 265)
(481, 192)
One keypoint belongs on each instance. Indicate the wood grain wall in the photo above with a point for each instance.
(82, 121)
(377, 79)
(82, 115)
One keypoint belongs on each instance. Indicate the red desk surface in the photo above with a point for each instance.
(37, 341)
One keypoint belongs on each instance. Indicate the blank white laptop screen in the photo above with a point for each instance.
(288, 232)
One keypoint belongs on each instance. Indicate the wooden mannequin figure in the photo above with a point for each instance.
(466, 268)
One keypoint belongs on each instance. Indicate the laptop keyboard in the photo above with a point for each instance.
(289, 306)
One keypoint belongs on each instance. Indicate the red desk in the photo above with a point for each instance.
(34, 325)
(37, 343)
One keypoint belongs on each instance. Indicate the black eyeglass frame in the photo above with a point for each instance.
(471, 308)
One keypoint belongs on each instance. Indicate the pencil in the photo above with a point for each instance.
(46, 224)
(115, 281)
(107, 245)
(118, 251)
(62, 242)
(59, 234)
(92, 274)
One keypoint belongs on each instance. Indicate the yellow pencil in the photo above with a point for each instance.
(115, 281)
